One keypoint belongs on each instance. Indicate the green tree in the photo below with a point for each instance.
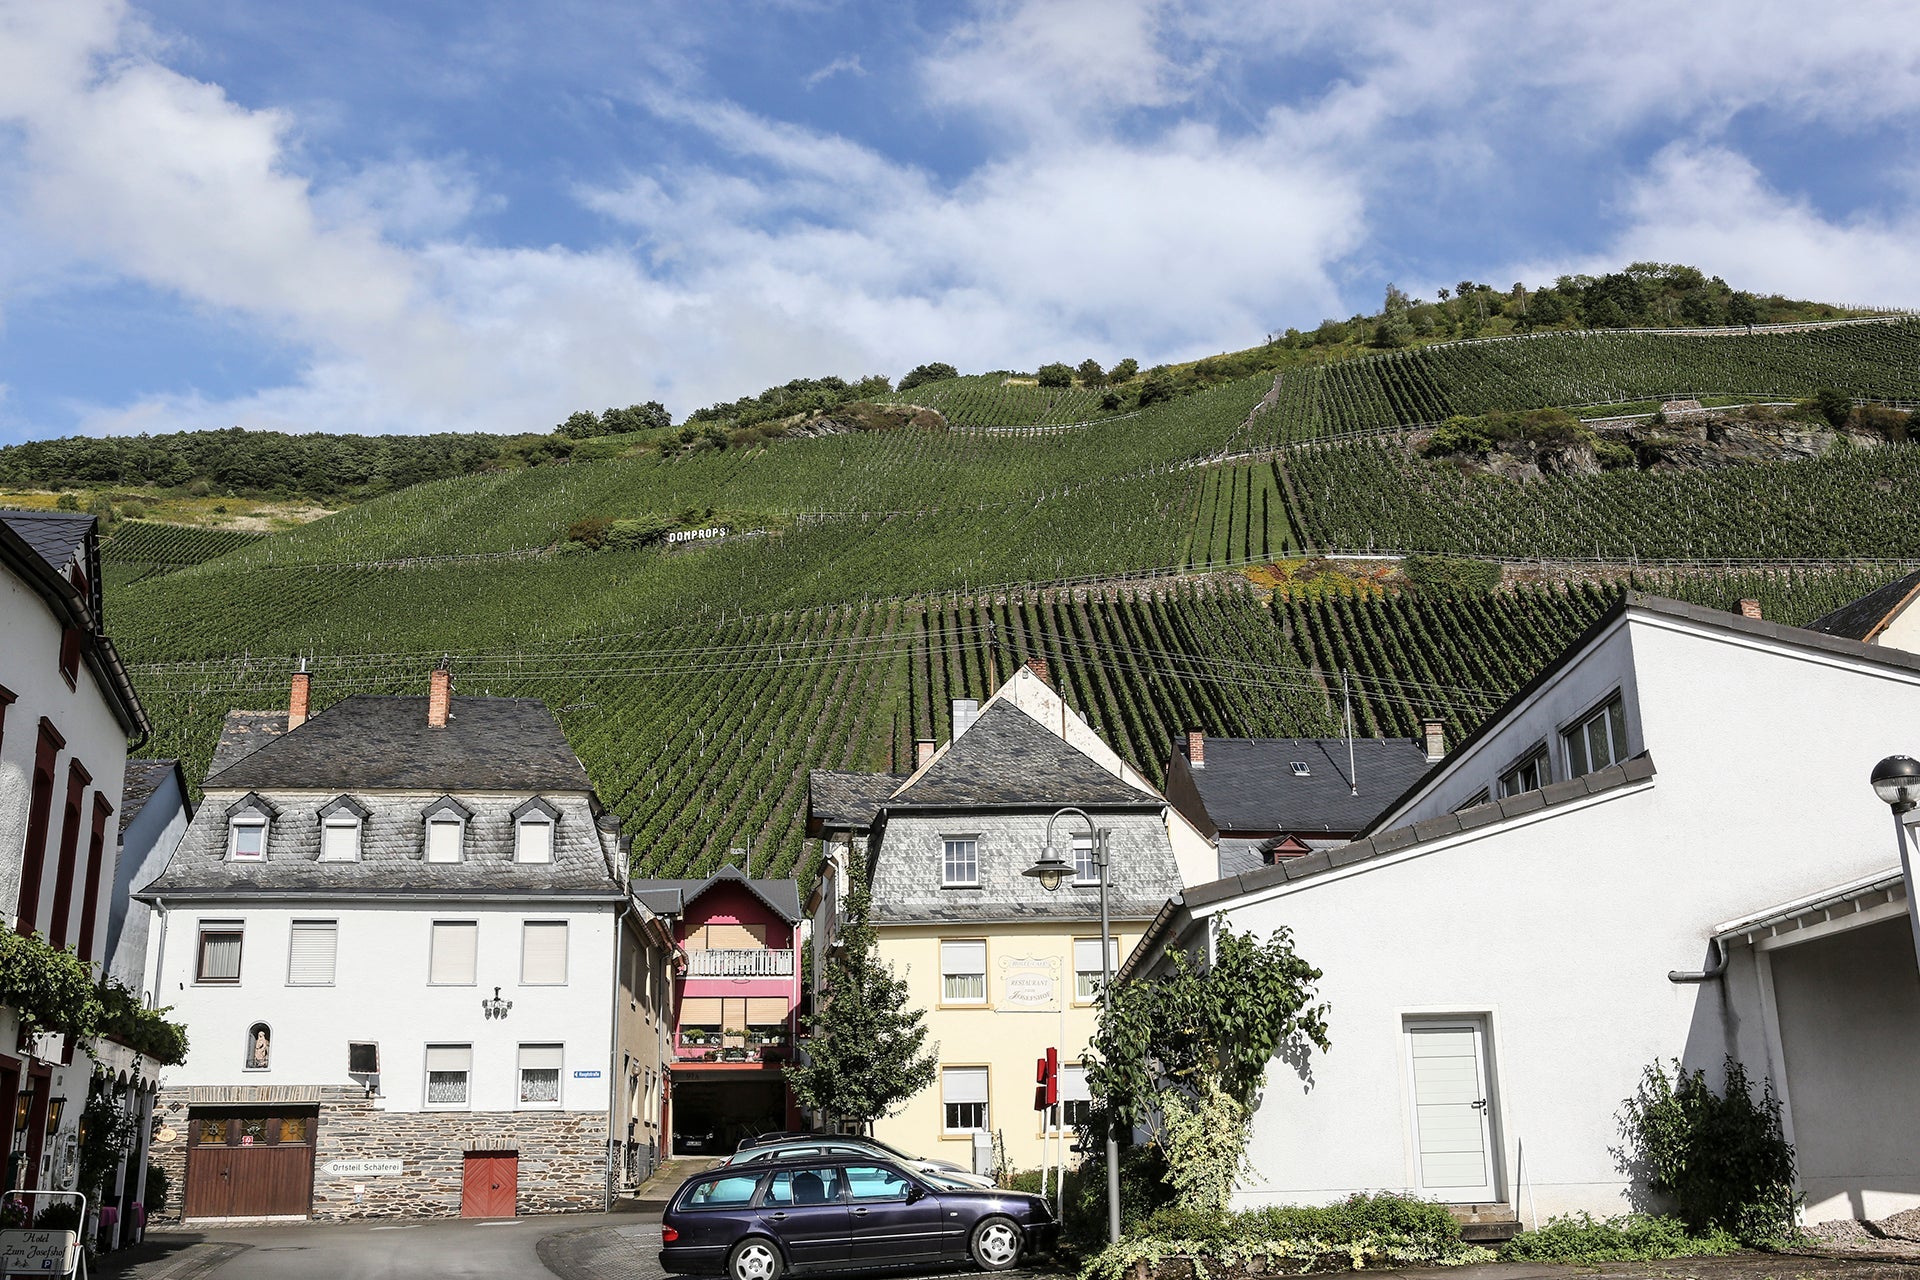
(924, 373)
(1196, 1042)
(866, 1049)
(1835, 406)
(1091, 374)
(1742, 309)
(1124, 370)
(581, 424)
(1157, 386)
(1056, 375)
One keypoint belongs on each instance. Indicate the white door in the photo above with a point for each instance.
(1452, 1111)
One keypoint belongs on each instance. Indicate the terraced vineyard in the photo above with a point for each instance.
(1428, 384)
(989, 400)
(139, 549)
(1365, 496)
(1240, 517)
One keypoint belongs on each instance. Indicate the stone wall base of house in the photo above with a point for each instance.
(562, 1155)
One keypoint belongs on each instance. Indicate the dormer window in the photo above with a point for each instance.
(341, 822)
(533, 827)
(446, 836)
(247, 824)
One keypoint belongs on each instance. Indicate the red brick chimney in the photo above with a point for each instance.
(1435, 734)
(297, 699)
(1750, 609)
(1197, 748)
(439, 697)
(922, 752)
(1039, 667)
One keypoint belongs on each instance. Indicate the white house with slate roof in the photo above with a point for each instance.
(1003, 968)
(403, 940)
(1664, 846)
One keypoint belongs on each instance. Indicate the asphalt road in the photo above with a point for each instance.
(452, 1248)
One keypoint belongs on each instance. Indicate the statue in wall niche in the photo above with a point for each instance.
(259, 1046)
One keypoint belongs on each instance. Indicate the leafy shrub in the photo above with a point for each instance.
(1585, 1239)
(61, 1216)
(630, 535)
(1722, 1156)
(1361, 1231)
(1158, 386)
(1143, 1190)
(1091, 374)
(1451, 574)
(1027, 1180)
(590, 532)
(1206, 1144)
(1055, 375)
(1612, 454)
(1124, 370)
(158, 1188)
(67, 502)
(924, 373)
(1834, 405)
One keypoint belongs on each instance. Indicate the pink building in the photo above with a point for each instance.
(736, 1000)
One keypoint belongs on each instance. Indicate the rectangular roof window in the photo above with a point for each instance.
(1299, 768)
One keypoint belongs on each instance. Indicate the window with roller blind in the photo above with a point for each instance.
(1087, 969)
(963, 1097)
(543, 953)
(1076, 1100)
(454, 953)
(449, 1075)
(310, 955)
(963, 972)
(219, 960)
(540, 1075)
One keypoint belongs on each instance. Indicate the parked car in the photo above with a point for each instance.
(702, 1143)
(778, 1135)
(761, 1219)
(835, 1144)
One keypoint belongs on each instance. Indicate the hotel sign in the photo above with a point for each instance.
(1029, 984)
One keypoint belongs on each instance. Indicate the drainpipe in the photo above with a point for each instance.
(1711, 973)
(160, 954)
(613, 1050)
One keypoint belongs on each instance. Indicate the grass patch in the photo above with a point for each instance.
(1629, 1238)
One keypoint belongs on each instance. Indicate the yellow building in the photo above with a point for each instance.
(1003, 967)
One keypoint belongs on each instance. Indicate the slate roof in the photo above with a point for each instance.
(671, 897)
(143, 779)
(1864, 618)
(367, 742)
(55, 536)
(1007, 759)
(1248, 784)
(848, 801)
(392, 855)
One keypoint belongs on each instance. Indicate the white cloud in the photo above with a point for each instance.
(846, 64)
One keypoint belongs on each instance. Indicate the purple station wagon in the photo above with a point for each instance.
(844, 1213)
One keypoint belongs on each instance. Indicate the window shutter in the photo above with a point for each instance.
(540, 1057)
(766, 1011)
(700, 1011)
(340, 842)
(964, 1084)
(536, 842)
(449, 1057)
(443, 841)
(1073, 1084)
(963, 957)
(455, 949)
(1086, 955)
(543, 953)
(310, 957)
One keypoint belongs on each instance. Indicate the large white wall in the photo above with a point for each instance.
(1559, 928)
(30, 668)
(381, 993)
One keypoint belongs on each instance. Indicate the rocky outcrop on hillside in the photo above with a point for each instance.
(864, 416)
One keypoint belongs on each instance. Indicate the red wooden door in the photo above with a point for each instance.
(490, 1185)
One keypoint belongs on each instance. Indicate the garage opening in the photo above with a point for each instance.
(250, 1162)
(711, 1116)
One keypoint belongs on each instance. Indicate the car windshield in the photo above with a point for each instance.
(715, 1192)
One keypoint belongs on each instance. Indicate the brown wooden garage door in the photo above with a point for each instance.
(253, 1163)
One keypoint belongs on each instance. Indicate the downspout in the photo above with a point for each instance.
(160, 954)
(615, 1080)
(1709, 974)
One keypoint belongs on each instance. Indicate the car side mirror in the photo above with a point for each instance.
(915, 1193)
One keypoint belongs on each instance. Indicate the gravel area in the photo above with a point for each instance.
(1894, 1237)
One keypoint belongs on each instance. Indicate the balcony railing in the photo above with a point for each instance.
(757, 963)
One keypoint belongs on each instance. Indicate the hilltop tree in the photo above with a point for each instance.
(1056, 375)
(1742, 309)
(866, 1052)
(925, 373)
(1091, 374)
(1124, 371)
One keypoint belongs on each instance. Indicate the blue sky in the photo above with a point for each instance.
(481, 216)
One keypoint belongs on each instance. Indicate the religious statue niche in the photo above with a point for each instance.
(259, 1047)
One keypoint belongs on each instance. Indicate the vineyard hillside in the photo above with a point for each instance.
(711, 625)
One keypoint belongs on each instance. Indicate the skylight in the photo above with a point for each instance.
(1300, 769)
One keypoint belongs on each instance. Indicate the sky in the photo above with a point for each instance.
(473, 215)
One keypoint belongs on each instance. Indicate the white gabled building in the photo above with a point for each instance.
(1665, 846)
(416, 980)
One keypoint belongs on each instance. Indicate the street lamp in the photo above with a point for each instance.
(1050, 871)
(1896, 780)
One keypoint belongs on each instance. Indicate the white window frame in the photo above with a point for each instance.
(1113, 954)
(333, 968)
(947, 845)
(961, 947)
(984, 1102)
(253, 820)
(527, 928)
(1612, 713)
(433, 931)
(426, 1080)
(520, 829)
(1510, 780)
(559, 1056)
(339, 822)
(459, 826)
(204, 927)
(1085, 872)
(1072, 1095)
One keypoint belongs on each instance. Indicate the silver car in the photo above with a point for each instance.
(849, 1145)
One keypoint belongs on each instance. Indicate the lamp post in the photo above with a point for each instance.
(1896, 780)
(1050, 871)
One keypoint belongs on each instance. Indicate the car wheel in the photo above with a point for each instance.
(755, 1259)
(995, 1244)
